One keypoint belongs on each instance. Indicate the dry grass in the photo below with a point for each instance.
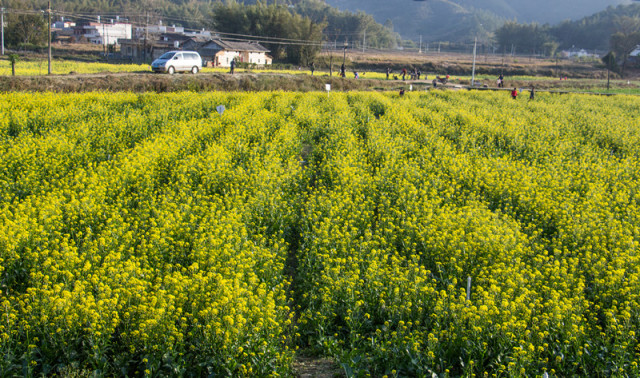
(461, 64)
(143, 82)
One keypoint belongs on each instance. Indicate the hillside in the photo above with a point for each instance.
(438, 20)
(593, 31)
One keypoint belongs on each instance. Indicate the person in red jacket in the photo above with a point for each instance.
(514, 93)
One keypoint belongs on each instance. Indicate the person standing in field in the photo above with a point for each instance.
(232, 66)
(388, 72)
(343, 73)
(532, 94)
(514, 93)
(404, 73)
(312, 67)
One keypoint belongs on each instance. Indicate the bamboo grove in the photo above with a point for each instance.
(149, 235)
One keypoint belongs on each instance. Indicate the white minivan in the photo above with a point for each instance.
(174, 61)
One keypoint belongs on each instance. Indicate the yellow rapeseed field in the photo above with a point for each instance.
(433, 234)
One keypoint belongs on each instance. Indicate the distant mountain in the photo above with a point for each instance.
(459, 20)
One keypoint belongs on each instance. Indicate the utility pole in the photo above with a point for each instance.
(146, 35)
(49, 29)
(504, 52)
(330, 64)
(473, 69)
(343, 70)
(364, 40)
(344, 55)
(2, 31)
(420, 50)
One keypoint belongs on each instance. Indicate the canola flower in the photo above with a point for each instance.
(63, 67)
(148, 234)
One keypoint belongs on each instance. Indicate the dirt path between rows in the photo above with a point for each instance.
(306, 367)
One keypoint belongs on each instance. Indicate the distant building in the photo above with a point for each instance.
(220, 53)
(103, 34)
(215, 52)
(578, 53)
(151, 30)
(63, 25)
(635, 54)
(134, 49)
(63, 31)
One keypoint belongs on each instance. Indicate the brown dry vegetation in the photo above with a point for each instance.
(144, 82)
(148, 82)
(461, 64)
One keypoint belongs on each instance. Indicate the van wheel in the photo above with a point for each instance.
(194, 70)
(171, 70)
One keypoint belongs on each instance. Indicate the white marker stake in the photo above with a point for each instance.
(410, 87)
(468, 288)
(327, 87)
(220, 109)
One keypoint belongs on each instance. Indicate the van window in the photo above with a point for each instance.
(167, 56)
(178, 56)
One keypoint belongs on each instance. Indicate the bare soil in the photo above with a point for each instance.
(307, 367)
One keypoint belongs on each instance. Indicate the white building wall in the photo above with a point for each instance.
(224, 58)
(258, 58)
(107, 33)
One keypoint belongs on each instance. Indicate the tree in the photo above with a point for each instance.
(550, 48)
(526, 37)
(609, 61)
(24, 26)
(26, 29)
(301, 38)
(13, 59)
(626, 38)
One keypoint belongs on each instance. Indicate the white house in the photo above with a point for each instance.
(220, 53)
(104, 34)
